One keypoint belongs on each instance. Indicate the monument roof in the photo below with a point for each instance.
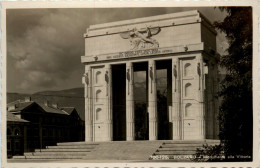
(164, 20)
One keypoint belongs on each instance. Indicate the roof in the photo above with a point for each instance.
(12, 118)
(69, 110)
(50, 109)
(20, 105)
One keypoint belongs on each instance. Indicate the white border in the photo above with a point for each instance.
(108, 4)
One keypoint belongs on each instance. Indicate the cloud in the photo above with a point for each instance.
(44, 45)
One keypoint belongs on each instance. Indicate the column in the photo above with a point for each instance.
(130, 115)
(25, 138)
(176, 117)
(108, 103)
(86, 80)
(152, 97)
(201, 106)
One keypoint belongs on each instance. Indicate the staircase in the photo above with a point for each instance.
(68, 150)
(119, 150)
(179, 151)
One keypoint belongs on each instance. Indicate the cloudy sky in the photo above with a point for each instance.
(44, 46)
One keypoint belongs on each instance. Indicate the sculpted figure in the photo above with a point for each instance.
(141, 38)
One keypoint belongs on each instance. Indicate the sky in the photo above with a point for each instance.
(44, 46)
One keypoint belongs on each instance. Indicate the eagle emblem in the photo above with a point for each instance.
(142, 38)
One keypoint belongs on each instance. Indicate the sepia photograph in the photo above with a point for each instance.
(129, 85)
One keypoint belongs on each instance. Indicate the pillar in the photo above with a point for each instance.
(201, 87)
(176, 117)
(86, 80)
(130, 116)
(152, 97)
(25, 148)
(108, 104)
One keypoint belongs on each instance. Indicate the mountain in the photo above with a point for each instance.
(75, 97)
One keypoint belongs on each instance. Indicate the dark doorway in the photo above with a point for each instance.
(164, 98)
(140, 99)
(119, 102)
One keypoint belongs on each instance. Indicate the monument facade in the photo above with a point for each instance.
(184, 44)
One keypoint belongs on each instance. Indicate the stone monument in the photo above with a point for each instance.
(183, 43)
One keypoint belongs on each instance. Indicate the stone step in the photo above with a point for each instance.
(53, 157)
(77, 144)
(56, 153)
(178, 148)
(187, 141)
(18, 157)
(62, 150)
(71, 147)
(175, 152)
(180, 145)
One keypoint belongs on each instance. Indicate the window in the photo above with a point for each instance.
(9, 131)
(17, 132)
(9, 146)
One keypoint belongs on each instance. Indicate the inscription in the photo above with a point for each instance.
(137, 53)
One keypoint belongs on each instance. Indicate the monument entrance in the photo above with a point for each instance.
(119, 101)
(151, 78)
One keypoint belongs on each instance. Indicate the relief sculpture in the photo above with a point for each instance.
(141, 39)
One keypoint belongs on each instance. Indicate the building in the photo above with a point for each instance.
(184, 46)
(15, 135)
(41, 125)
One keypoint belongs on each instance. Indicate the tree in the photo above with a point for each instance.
(236, 110)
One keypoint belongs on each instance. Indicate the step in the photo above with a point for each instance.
(56, 153)
(71, 147)
(180, 145)
(179, 148)
(18, 157)
(54, 157)
(62, 150)
(76, 144)
(175, 152)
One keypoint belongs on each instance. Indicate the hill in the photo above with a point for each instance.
(75, 97)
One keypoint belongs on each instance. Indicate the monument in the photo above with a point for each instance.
(184, 45)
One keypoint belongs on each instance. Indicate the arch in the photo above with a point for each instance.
(17, 132)
(187, 69)
(188, 110)
(98, 95)
(98, 113)
(188, 90)
(98, 77)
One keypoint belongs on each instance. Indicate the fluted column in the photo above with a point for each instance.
(108, 100)
(86, 80)
(152, 108)
(130, 116)
(200, 79)
(176, 117)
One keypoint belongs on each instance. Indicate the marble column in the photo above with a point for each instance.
(86, 80)
(176, 117)
(130, 115)
(152, 97)
(108, 100)
(201, 87)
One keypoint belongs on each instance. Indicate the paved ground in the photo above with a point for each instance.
(84, 161)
